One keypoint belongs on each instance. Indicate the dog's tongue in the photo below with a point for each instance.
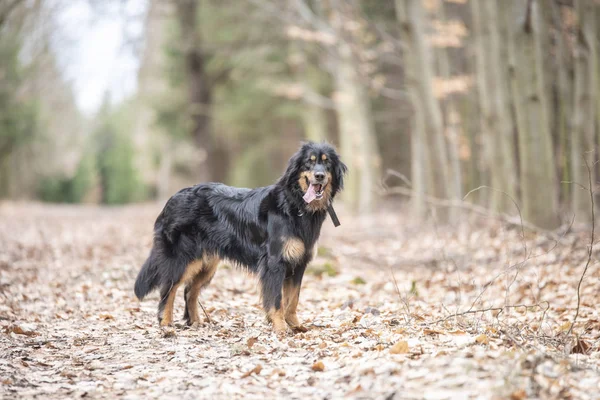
(310, 194)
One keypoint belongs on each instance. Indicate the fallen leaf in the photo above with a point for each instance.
(356, 389)
(518, 395)
(318, 366)
(400, 348)
(581, 347)
(16, 329)
(251, 342)
(256, 370)
(564, 327)
(482, 339)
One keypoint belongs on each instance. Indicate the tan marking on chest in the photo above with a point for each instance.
(293, 249)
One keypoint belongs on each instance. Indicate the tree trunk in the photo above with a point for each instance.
(497, 121)
(582, 138)
(453, 129)
(199, 90)
(357, 133)
(564, 105)
(412, 20)
(537, 167)
(315, 123)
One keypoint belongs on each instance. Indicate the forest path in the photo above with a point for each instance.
(70, 325)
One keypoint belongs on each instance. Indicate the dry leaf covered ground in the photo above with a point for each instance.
(70, 325)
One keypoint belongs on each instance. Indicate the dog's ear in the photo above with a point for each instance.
(340, 171)
(292, 171)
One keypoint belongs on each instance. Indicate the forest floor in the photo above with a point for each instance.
(395, 311)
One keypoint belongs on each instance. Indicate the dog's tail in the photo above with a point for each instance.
(148, 278)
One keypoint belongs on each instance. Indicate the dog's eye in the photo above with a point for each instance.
(313, 157)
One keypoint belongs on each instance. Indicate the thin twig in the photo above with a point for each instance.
(402, 298)
(205, 313)
(500, 309)
(590, 249)
(470, 207)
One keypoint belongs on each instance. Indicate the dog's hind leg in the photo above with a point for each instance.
(165, 306)
(195, 285)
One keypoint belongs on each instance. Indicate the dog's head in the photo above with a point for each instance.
(315, 174)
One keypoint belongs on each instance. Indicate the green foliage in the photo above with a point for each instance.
(119, 179)
(63, 189)
(413, 288)
(108, 162)
(83, 180)
(18, 115)
(358, 281)
(327, 268)
(55, 189)
(245, 58)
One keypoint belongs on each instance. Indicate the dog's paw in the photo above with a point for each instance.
(167, 331)
(282, 332)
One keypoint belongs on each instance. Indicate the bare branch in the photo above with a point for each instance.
(591, 247)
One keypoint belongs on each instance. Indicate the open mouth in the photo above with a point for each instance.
(319, 190)
(314, 191)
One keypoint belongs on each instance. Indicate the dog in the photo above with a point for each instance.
(270, 231)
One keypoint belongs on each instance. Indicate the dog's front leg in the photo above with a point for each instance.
(291, 295)
(271, 279)
(273, 271)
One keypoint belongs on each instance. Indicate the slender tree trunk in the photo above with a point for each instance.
(453, 129)
(564, 105)
(163, 181)
(315, 123)
(314, 116)
(492, 86)
(200, 94)
(421, 171)
(537, 166)
(357, 133)
(412, 20)
(485, 105)
(582, 138)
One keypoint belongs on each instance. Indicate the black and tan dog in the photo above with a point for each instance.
(271, 231)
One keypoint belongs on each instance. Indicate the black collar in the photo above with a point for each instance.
(332, 215)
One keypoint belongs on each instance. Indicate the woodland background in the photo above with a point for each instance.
(429, 99)
(466, 265)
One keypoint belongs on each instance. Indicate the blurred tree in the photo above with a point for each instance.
(358, 143)
(495, 118)
(118, 179)
(583, 140)
(18, 115)
(422, 174)
(414, 22)
(536, 156)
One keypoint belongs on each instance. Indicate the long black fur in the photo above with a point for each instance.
(244, 226)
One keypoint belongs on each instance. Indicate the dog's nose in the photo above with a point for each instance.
(319, 176)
